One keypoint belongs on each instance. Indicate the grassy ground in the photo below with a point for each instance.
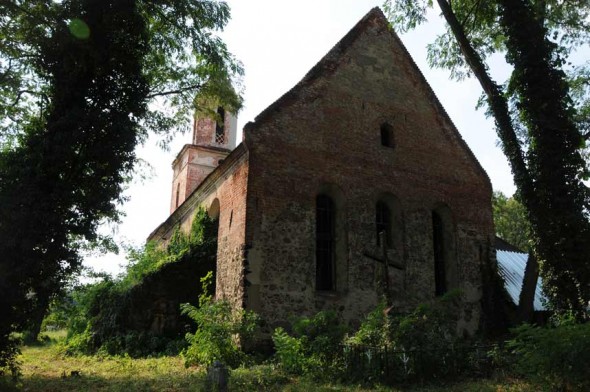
(45, 368)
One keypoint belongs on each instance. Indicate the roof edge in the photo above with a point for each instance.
(325, 65)
(187, 205)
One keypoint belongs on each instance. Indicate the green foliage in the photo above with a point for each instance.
(76, 80)
(219, 327)
(97, 313)
(511, 222)
(375, 329)
(290, 352)
(422, 344)
(257, 378)
(149, 259)
(314, 347)
(9, 365)
(558, 358)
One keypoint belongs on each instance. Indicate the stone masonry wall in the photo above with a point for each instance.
(325, 134)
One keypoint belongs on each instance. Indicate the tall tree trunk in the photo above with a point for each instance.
(526, 303)
(497, 101)
(548, 180)
(561, 229)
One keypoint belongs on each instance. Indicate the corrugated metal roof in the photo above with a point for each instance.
(511, 266)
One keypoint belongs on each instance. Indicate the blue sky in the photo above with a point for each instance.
(278, 42)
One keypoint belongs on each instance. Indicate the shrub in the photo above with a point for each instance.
(9, 365)
(422, 344)
(98, 313)
(557, 357)
(219, 328)
(314, 349)
(290, 352)
(374, 330)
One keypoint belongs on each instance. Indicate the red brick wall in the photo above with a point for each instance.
(192, 165)
(204, 131)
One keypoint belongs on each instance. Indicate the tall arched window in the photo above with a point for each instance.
(438, 243)
(383, 222)
(443, 244)
(325, 242)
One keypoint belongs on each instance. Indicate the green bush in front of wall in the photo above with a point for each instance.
(422, 344)
(219, 330)
(313, 348)
(96, 311)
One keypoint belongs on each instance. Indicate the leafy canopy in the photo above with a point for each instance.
(82, 82)
(510, 220)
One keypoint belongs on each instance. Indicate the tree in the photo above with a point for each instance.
(539, 115)
(510, 220)
(77, 78)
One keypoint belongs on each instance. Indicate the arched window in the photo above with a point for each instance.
(219, 126)
(325, 242)
(443, 244)
(387, 138)
(214, 209)
(383, 222)
(438, 243)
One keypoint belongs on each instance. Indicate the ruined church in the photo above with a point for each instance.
(352, 187)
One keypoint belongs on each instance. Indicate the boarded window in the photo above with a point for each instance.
(219, 126)
(325, 241)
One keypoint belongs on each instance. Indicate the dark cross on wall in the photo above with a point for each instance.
(382, 258)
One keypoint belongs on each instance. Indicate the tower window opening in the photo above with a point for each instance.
(219, 126)
(177, 194)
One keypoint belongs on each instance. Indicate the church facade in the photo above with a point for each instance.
(352, 187)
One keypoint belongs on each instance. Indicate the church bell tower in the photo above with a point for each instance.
(214, 136)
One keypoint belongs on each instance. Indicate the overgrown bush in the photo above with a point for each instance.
(9, 365)
(422, 344)
(99, 312)
(558, 358)
(219, 328)
(314, 347)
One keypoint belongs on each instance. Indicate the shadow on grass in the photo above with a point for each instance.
(189, 382)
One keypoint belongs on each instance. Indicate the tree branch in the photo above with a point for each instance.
(471, 12)
(21, 93)
(498, 104)
(10, 4)
(172, 92)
